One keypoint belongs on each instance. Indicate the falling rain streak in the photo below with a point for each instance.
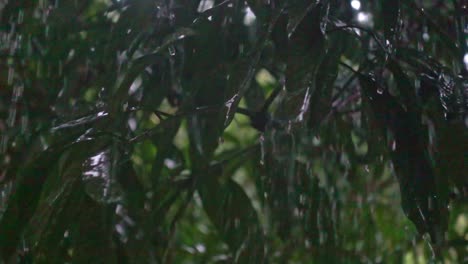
(233, 131)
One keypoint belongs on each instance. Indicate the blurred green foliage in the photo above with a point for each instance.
(258, 131)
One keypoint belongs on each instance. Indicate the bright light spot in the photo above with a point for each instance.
(249, 17)
(465, 60)
(132, 124)
(363, 17)
(356, 4)
(425, 36)
(201, 248)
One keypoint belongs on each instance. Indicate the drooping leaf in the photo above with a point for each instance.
(413, 168)
(306, 41)
(232, 213)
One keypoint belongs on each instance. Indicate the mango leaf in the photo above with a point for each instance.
(57, 209)
(321, 98)
(413, 168)
(307, 42)
(23, 202)
(231, 211)
(93, 235)
(139, 64)
(25, 199)
(451, 136)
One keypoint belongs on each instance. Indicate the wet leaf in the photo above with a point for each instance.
(232, 213)
(413, 168)
(140, 63)
(120, 139)
(306, 41)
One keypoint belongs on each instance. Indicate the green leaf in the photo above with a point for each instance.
(327, 72)
(139, 64)
(413, 168)
(231, 211)
(306, 48)
(23, 202)
(29, 186)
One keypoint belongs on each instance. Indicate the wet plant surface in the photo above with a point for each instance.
(154, 131)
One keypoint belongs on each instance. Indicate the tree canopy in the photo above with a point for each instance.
(227, 131)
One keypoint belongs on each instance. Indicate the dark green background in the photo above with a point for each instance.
(259, 131)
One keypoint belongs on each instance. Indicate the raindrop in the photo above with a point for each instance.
(289, 127)
(249, 17)
(316, 141)
(172, 51)
(132, 124)
(304, 108)
(425, 36)
(302, 199)
(393, 145)
(101, 92)
(11, 117)
(121, 231)
(20, 16)
(128, 220)
(366, 168)
(262, 150)
(47, 31)
(119, 210)
(11, 74)
(17, 92)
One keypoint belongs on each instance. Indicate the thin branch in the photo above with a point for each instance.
(368, 31)
(245, 112)
(343, 88)
(270, 99)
